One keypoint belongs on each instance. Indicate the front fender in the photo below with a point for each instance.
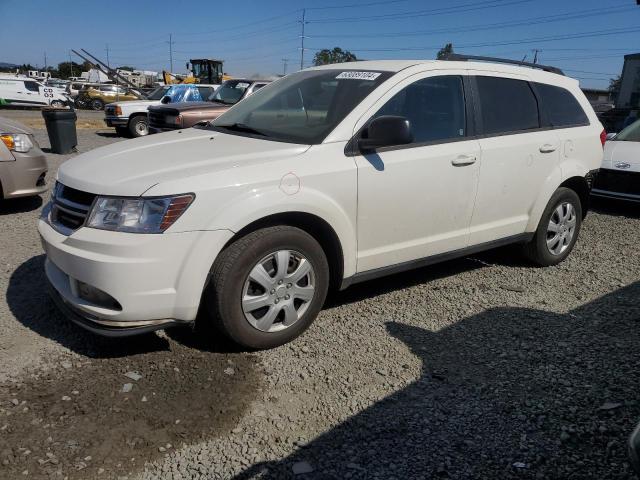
(256, 204)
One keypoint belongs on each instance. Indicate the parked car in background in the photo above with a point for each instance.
(163, 118)
(329, 176)
(96, 98)
(619, 176)
(130, 118)
(74, 88)
(25, 92)
(23, 166)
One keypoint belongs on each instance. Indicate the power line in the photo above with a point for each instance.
(467, 7)
(487, 26)
(598, 33)
(353, 5)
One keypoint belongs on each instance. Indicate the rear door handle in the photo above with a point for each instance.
(463, 160)
(547, 148)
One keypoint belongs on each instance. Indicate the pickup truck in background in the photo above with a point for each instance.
(130, 118)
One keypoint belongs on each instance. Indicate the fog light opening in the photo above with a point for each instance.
(97, 297)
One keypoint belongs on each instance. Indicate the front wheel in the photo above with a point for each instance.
(139, 126)
(558, 229)
(267, 287)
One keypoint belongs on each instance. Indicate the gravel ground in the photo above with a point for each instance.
(481, 367)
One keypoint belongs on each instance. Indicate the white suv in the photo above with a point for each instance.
(326, 177)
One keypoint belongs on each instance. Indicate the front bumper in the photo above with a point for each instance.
(618, 184)
(25, 176)
(116, 121)
(157, 280)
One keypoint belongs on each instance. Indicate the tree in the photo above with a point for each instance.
(445, 51)
(65, 69)
(337, 55)
(614, 87)
(127, 68)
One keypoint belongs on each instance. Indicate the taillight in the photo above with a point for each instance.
(603, 137)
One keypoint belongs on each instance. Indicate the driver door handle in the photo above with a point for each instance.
(463, 160)
(547, 148)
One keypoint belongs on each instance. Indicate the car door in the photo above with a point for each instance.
(31, 93)
(416, 200)
(518, 155)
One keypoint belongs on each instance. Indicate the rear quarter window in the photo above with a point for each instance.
(561, 107)
(507, 105)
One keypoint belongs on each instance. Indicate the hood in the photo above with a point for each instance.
(186, 106)
(11, 126)
(132, 167)
(623, 153)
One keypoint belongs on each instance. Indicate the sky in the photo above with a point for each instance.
(586, 38)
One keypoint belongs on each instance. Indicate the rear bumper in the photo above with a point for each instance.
(25, 176)
(618, 184)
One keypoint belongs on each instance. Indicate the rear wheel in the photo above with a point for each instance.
(558, 229)
(267, 287)
(97, 104)
(139, 126)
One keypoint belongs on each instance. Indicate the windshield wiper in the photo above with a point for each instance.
(241, 127)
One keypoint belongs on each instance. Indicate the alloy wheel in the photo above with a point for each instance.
(561, 228)
(278, 291)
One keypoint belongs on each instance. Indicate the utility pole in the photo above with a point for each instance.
(171, 52)
(70, 64)
(304, 11)
(45, 61)
(108, 64)
(535, 55)
(284, 66)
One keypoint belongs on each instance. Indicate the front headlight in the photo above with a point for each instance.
(138, 215)
(17, 142)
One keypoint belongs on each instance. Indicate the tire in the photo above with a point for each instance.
(230, 284)
(57, 104)
(122, 131)
(138, 126)
(547, 247)
(96, 104)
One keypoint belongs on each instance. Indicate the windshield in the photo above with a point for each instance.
(630, 134)
(158, 93)
(303, 107)
(231, 91)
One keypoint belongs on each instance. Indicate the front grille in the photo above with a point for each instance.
(618, 181)
(70, 207)
(157, 118)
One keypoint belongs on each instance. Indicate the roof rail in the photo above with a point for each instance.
(463, 58)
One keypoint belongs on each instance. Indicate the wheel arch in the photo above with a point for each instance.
(581, 187)
(312, 224)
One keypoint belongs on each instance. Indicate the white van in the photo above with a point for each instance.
(26, 92)
(329, 176)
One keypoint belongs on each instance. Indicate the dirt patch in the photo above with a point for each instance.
(81, 123)
(78, 420)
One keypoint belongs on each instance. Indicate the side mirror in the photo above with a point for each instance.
(386, 131)
(611, 136)
(201, 123)
(166, 99)
(634, 448)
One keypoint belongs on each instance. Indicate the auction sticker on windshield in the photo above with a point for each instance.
(358, 75)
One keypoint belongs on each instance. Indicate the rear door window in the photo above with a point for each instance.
(507, 105)
(561, 107)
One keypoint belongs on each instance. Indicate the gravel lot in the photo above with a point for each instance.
(480, 368)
